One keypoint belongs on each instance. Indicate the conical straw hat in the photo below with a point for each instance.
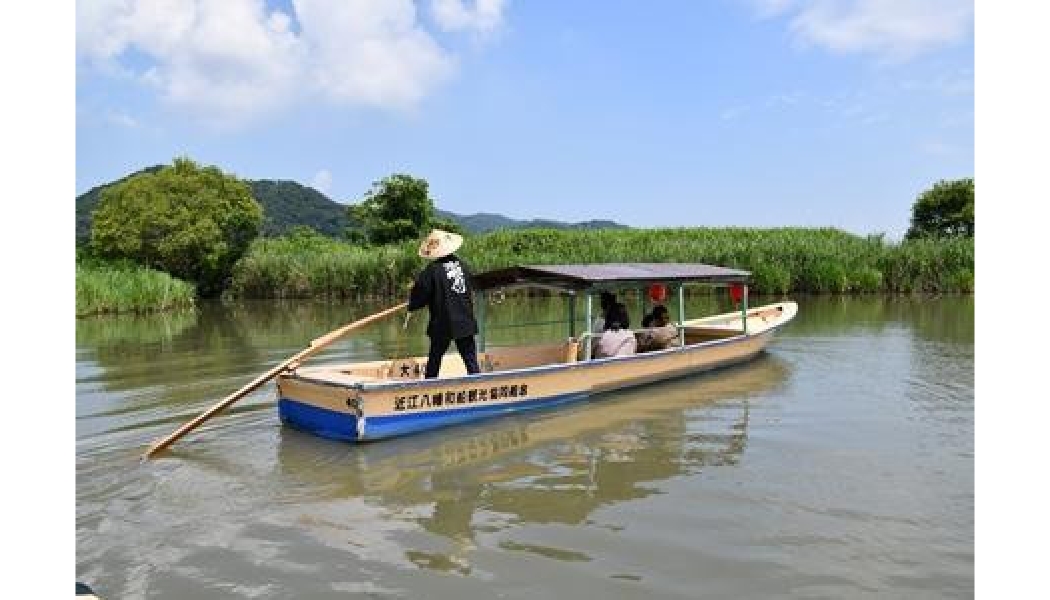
(440, 244)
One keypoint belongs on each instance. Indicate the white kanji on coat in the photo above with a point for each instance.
(454, 271)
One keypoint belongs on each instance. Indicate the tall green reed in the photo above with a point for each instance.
(781, 260)
(124, 287)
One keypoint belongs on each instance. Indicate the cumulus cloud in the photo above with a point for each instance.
(371, 52)
(453, 15)
(235, 60)
(892, 29)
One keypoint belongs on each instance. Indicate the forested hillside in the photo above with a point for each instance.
(287, 204)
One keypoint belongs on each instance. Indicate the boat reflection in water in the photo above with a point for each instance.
(542, 467)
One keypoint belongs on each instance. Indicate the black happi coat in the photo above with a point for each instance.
(445, 287)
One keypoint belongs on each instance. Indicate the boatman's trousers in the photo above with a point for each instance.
(467, 349)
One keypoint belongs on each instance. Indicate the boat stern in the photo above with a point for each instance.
(317, 420)
(320, 408)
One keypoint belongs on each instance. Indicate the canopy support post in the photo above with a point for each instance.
(743, 310)
(571, 299)
(479, 302)
(587, 345)
(681, 314)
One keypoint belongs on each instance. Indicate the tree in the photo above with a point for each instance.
(396, 209)
(191, 221)
(945, 210)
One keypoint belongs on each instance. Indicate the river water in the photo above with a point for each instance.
(839, 464)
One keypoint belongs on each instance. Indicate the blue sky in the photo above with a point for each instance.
(721, 112)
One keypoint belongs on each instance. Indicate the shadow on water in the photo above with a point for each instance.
(554, 466)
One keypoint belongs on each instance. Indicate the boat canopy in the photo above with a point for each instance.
(606, 275)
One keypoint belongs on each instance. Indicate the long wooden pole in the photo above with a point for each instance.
(315, 347)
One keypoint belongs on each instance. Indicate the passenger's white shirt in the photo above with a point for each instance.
(617, 343)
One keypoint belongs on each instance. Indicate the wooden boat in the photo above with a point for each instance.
(384, 398)
(402, 468)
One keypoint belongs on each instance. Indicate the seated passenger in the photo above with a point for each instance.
(607, 300)
(647, 320)
(616, 340)
(660, 333)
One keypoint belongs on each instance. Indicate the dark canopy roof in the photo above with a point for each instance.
(582, 277)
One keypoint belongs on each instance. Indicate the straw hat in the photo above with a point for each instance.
(440, 244)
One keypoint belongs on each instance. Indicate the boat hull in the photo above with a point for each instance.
(372, 411)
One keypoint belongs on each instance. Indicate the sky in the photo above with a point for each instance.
(654, 114)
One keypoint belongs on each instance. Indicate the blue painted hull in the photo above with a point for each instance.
(344, 426)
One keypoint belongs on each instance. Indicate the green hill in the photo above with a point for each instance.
(485, 222)
(287, 204)
(87, 202)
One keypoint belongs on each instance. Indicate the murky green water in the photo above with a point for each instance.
(838, 465)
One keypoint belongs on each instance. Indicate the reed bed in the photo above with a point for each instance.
(124, 287)
(781, 260)
(322, 268)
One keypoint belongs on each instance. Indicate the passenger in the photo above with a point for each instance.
(647, 320)
(659, 332)
(622, 317)
(617, 339)
(607, 301)
(659, 313)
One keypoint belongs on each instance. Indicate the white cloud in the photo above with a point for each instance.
(453, 15)
(370, 52)
(233, 61)
(891, 29)
(228, 61)
(322, 181)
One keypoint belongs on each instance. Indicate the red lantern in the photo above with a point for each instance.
(736, 292)
(658, 292)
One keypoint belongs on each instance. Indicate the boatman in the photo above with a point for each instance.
(444, 287)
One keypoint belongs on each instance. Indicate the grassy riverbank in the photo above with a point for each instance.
(782, 260)
(124, 287)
